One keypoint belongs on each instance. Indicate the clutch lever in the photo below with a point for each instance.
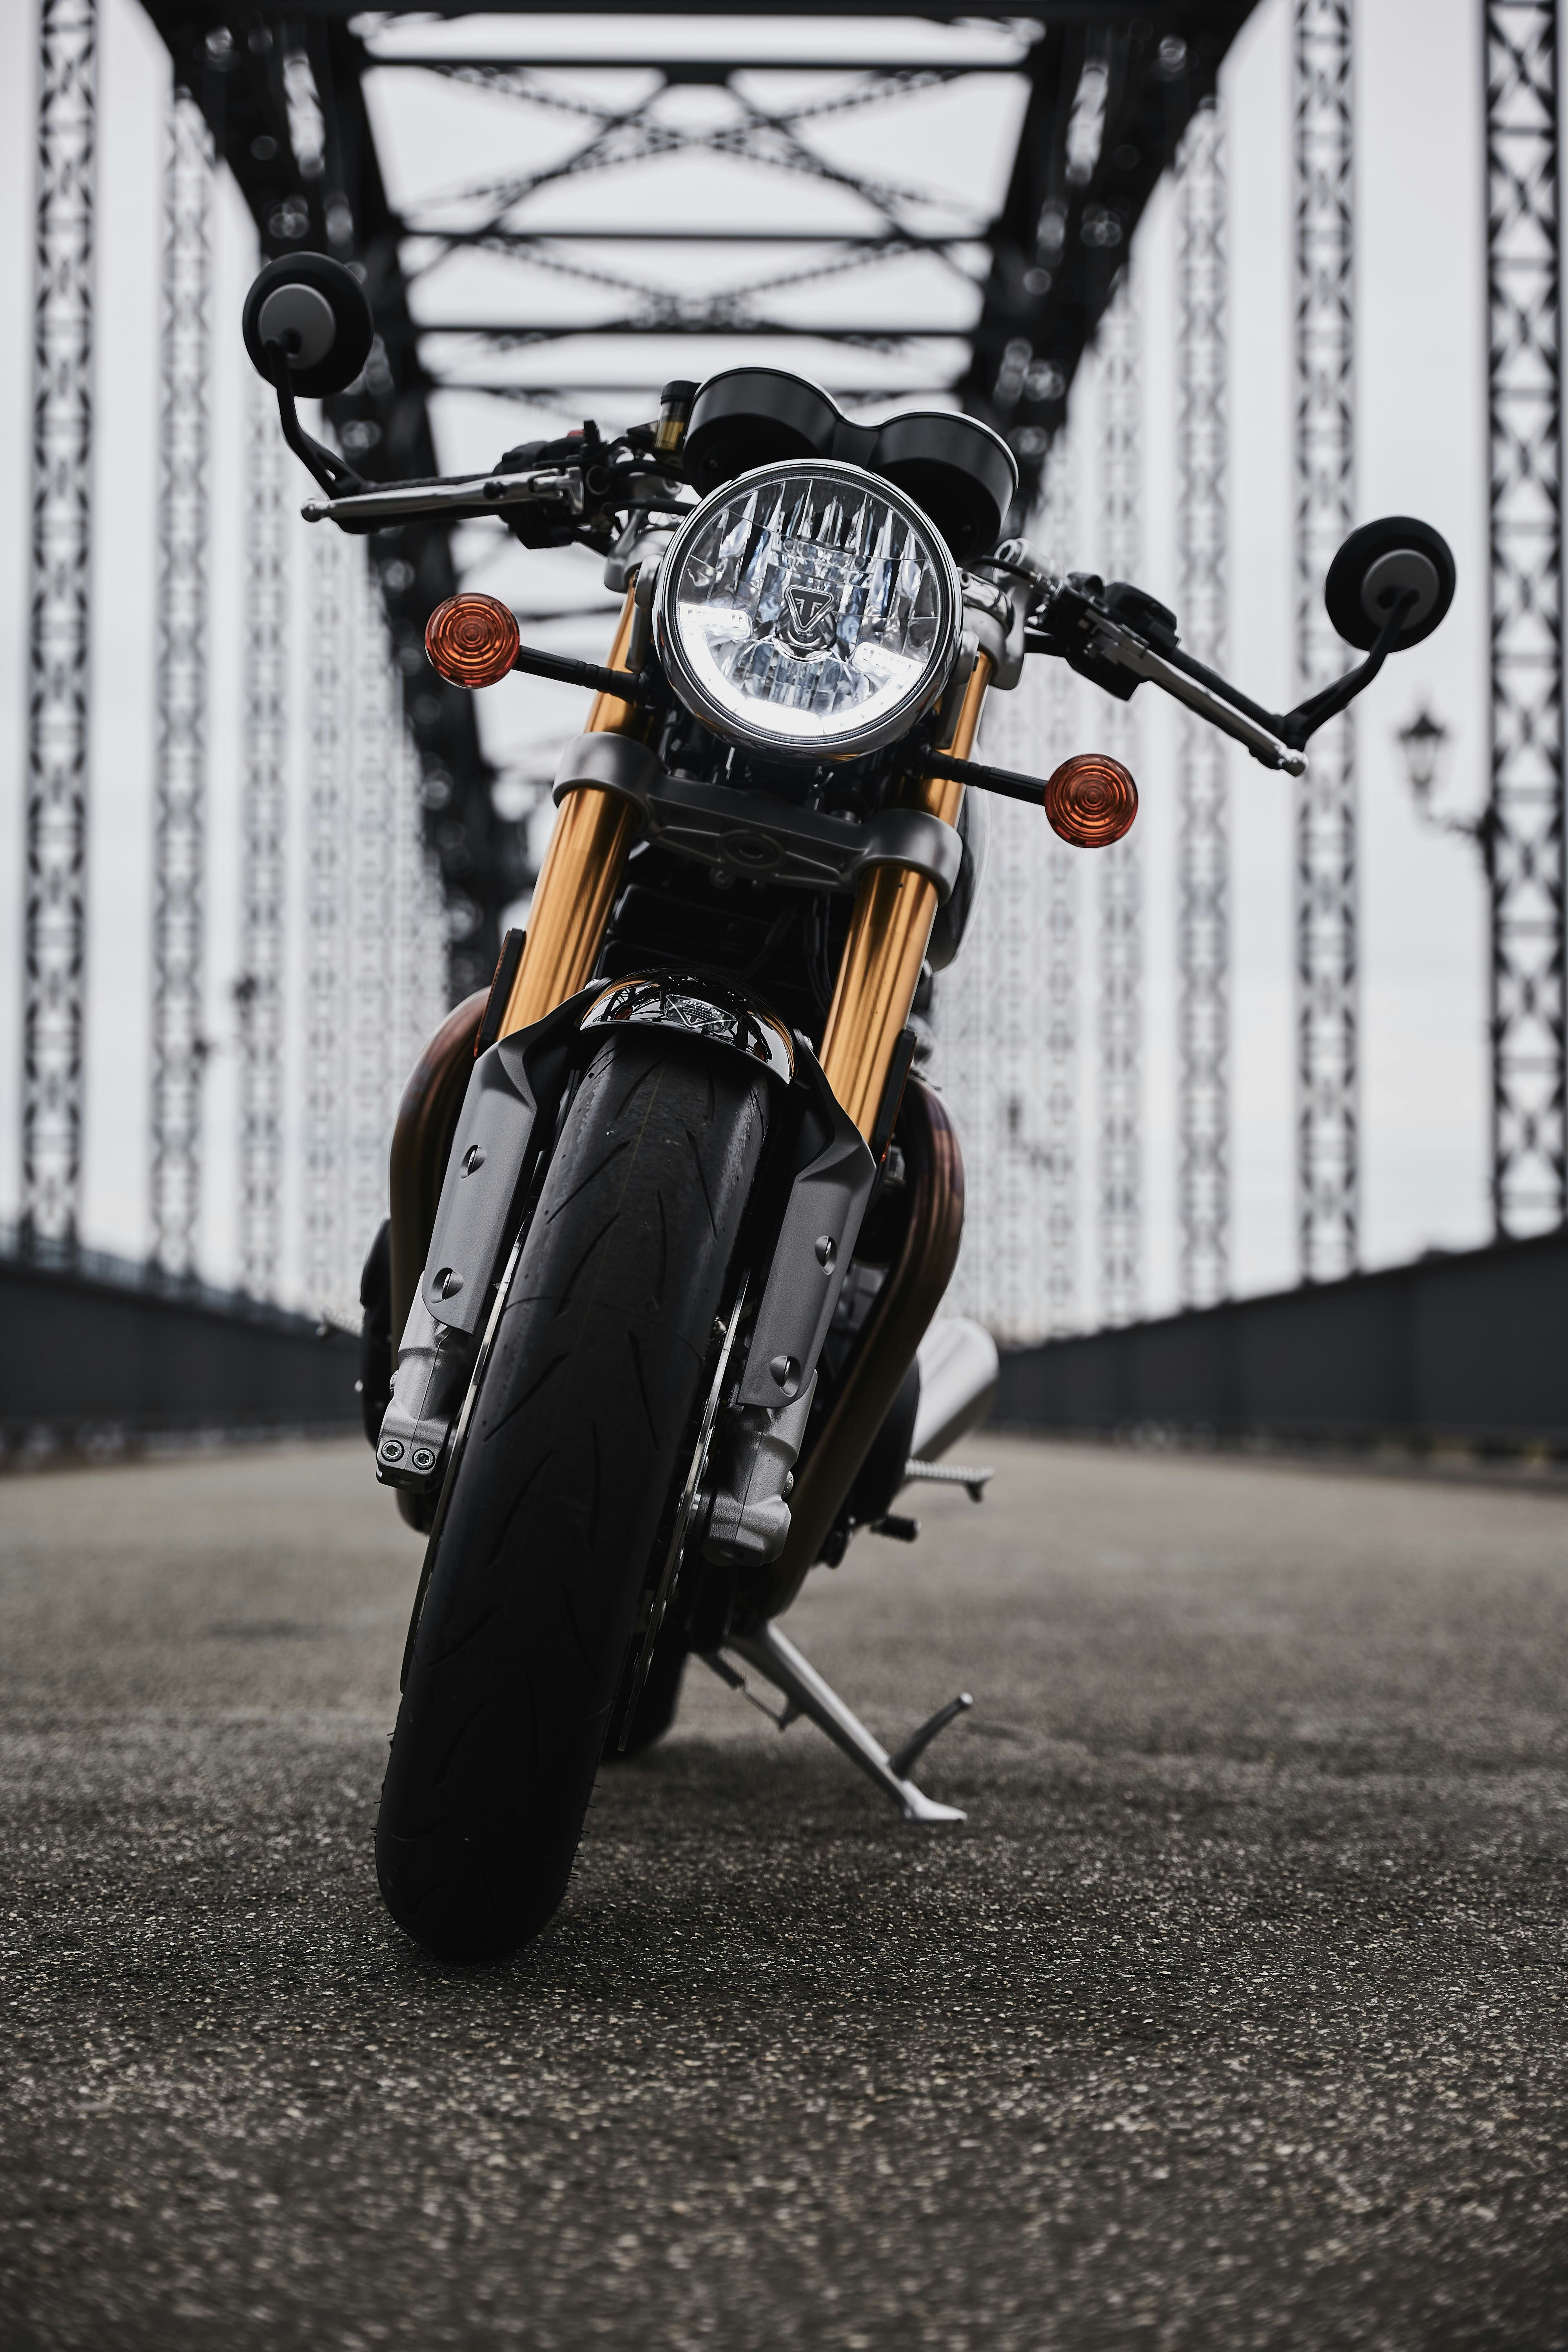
(461, 496)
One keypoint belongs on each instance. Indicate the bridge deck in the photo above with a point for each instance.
(1232, 2018)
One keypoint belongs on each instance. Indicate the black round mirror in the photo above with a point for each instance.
(320, 313)
(1378, 564)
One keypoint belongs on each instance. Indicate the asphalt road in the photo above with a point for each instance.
(1233, 2017)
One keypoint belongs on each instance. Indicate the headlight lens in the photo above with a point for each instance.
(808, 607)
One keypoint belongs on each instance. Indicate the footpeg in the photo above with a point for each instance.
(805, 1693)
(950, 1473)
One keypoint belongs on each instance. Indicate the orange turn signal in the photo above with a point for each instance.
(472, 640)
(1091, 801)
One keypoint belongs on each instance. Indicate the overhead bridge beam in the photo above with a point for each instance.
(1110, 90)
(696, 72)
(550, 331)
(508, 240)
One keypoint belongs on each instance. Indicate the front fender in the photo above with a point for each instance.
(507, 1109)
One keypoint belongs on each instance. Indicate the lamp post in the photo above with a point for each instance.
(1423, 742)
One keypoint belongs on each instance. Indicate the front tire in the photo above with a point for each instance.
(577, 1439)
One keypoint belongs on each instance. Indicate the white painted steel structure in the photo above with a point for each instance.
(1327, 1141)
(1202, 878)
(59, 648)
(180, 1044)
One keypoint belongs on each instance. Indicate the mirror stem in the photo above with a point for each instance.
(1308, 717)
(335, 474)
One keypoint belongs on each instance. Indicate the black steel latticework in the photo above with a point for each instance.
(179, 1043)
(1119, 869)
(1327, 1140)
(258, 989)
(1525, 831)
(59, 643)
(1203, 910)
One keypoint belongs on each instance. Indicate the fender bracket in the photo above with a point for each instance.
(489, 1152)
(816, 1239)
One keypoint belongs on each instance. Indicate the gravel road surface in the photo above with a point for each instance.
(1233, 2017)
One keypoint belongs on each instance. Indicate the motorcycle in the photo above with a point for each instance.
(651, 1327)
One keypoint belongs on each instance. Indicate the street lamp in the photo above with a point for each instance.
(1423, 742)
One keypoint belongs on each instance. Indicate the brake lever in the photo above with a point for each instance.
(1105, 642)
(1275, 740)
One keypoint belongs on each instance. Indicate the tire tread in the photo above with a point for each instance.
(564, 1481)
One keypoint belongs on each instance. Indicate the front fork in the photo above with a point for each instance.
(581, 876)
(890, 930)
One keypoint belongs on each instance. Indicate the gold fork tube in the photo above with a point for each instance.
(581, 873)
(889, 932)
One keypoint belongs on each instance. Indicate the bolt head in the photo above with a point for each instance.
(392, 1449)
(827, 1252)
(448, 1283)
(422, 1458)
(473, 1159)
(785, 1372)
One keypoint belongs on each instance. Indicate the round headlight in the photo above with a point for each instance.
(808, 607)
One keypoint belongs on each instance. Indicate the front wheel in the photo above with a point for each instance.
(576, 1445)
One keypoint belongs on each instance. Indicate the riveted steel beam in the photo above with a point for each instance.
(1523, 835)
(59, 640)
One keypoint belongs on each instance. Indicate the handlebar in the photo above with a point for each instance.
(1118, 637)
(1070, 624)
(454, 495)
(1076, 620)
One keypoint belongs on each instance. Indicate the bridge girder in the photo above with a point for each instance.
(1108, 89)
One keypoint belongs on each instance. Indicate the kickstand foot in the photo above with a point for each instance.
(805, 1693)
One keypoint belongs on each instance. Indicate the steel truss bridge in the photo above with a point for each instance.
(571, 277)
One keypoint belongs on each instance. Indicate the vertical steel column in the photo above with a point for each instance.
(179, 1044)
(1524, 835)
(370, 899)
(1120, 868)
(1004, 980)
(1203, 911)
(333, 562)
(1327, 1142)
(419, 931)
(54, 915)
(1061, 941)
(258, 992)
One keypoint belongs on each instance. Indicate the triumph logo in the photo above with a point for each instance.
(810, 616)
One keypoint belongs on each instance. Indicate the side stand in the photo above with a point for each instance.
(807, 1694)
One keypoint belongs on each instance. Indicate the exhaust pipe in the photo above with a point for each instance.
(958, 1384)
